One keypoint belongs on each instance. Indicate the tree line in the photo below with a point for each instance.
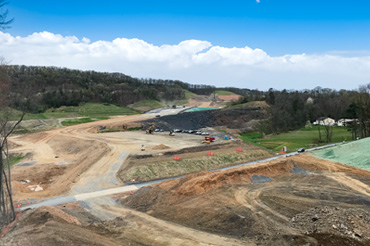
(291, 110)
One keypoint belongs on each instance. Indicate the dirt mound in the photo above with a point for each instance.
(203, 182)
(231, 118)
(65, 226)
(229, 98)
(288, 210)
(160, 146)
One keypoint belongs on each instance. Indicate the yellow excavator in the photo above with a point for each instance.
(150, 129)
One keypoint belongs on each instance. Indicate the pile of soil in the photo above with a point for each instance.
(231, 118)
(229, 98)
(160, 146)
(68, 225)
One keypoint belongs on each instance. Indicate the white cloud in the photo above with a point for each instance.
(258, 1)
(191, 61)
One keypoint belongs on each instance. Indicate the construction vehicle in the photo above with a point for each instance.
(208, 140)
(150, 129)
(172, 133)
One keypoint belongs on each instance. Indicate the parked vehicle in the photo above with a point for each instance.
(301, 150)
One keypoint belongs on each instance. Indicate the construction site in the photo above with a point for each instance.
(170, 177)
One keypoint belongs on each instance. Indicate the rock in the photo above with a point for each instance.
(315, 218)
(334, 227)
(357, 233)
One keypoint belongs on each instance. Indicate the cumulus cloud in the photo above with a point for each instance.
(258, 1)
(193, 61)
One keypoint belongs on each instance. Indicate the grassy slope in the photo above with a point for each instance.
(261, 104)
(147, 105)
(224, 93)
(76, 121)
(304, 138)
(354, 153)
(185, 166)
(86, 109)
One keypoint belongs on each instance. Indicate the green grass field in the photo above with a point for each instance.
(303, 138)
(147, 105)
(14, 159)
(224, 93)
(76, 121)
(85, 109)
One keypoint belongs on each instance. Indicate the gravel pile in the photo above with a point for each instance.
(346, 222)
(231, 118)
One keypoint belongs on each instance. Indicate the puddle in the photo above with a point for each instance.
(63, 163)
(26, 164)
(298, 170)
(260, 179)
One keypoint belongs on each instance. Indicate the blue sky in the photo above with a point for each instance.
(279, 28)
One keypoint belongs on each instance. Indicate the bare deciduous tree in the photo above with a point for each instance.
(4, 21)
(7, 213)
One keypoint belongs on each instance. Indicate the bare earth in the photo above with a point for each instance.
(299, 200)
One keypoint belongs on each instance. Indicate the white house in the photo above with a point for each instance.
(345, 122)
(324, 121)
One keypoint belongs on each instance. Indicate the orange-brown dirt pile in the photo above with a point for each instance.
(160, 146)
(205, 181)
(229, 98)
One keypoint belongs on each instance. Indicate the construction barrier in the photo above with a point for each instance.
(238, 149)
(210, 153)
(176, 158)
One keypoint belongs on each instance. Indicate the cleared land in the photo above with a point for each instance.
(269, 204)
(301, 200)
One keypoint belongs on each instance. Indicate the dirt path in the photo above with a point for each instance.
(174, 234)
(351, 183)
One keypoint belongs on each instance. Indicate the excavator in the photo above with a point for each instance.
(150, 129)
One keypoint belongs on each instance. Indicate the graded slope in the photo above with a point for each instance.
(273, 203)
(354, 153)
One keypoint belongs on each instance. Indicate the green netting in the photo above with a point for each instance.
(355, 153)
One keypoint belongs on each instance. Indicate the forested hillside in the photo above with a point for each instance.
(46, 87)
(52, 87)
